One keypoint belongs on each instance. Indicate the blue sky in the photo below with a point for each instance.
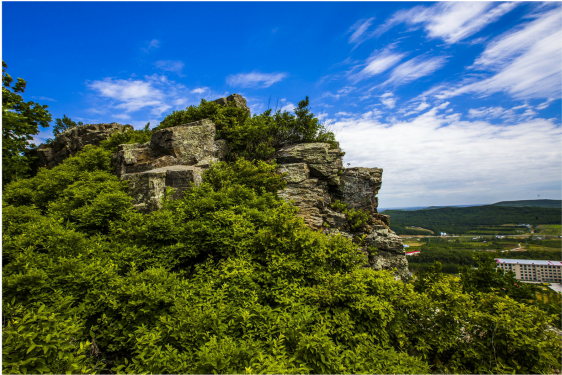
(458, 102)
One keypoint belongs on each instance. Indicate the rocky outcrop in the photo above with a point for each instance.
(238, 100)
(175, 157)
(71, 141)
(316, 178)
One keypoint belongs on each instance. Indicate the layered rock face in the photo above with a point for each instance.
(175, 157)
(316, 179)
(71, 141)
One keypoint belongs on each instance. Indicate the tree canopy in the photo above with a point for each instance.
(20, 121)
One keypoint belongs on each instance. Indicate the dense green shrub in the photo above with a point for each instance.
(356, 219)
(228, 280)
(257, 175)
(256, 137)
(127, 137)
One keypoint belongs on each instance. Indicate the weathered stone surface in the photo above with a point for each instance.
(174, 157)
(73, 140)
(238, 100)
(189, 143)
(316, 178)
(147, 188)
(296, 173)
(360, 187)
(311, 197)
(322, 161)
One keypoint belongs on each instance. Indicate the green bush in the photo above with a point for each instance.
(257, 175)
(256, 137)
(356, 219)
(112, 143)
(228, 280)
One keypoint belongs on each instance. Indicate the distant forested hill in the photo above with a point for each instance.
(471, 219)
(547, 203)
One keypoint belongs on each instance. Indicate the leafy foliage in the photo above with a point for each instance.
(62, 125)
(20, 121)
(228, 280)
(355, 218)
(127, 137)
(257, 137)
(257, 175)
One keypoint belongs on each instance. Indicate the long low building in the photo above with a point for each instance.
(533, 270)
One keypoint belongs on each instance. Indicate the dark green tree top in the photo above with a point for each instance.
(20, 121)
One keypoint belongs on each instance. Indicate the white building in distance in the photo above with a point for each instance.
(533, 270)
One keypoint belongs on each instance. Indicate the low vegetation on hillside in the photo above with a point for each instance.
(475, 220)
(228, 280)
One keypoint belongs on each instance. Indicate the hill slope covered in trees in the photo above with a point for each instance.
(465, 219)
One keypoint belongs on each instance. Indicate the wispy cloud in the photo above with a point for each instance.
(255, 79)
(377, 64)
(44, 98)
(415, 68)
(153, 44)
(421, 157)
(174, 66)
(388, 99)
(450, 21)
(528, 62)
(501, 51)
(132, 94)
(359, 29)
(199, 90)
(545, 104)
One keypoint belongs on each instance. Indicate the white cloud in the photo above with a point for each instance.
(174, 66)
(133, 94)
(359, 29)
(122, 116)
(344, 114)
(545, 104)
(377, 64)
(255, 79)
(153, 44)
(415, 68)
(388, 99)
(43, 98)
(151, 96)
(529, 62)
(450, 21)
(288, 107)
(438, 158)
(199, 90)
(501, 51)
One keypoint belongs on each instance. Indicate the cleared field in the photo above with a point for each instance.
(550, 229)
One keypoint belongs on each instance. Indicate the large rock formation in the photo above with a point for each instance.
(316, 178)
(238, 100)
(71, 141)
(176, 157)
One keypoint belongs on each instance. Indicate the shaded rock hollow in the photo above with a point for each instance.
(177, 157)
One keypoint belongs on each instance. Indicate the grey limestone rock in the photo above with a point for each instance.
(316, 178)
(360, 187)
(147, 188)
(71, 141)
(238, 100)
(188, 144)
(175, 157)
